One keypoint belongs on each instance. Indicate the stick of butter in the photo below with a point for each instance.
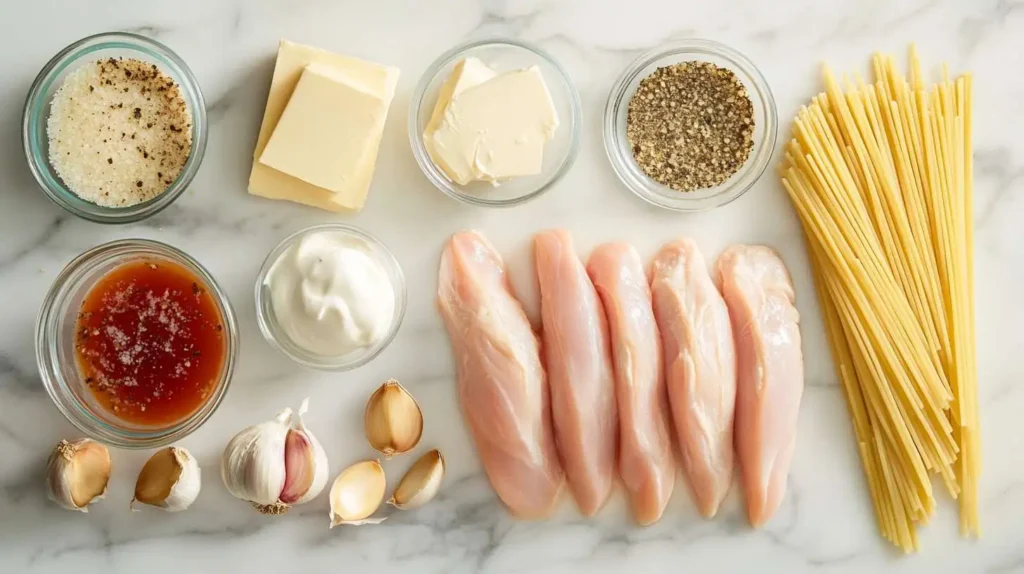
(314, 167)
(492, 127)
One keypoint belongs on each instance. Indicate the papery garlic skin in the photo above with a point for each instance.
(256, 463)
(182, 492)
(421, 482)
(357, 493)
(77, 473)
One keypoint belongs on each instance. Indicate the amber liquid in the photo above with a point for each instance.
(150, 342)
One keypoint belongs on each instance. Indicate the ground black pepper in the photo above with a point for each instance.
(690, 125)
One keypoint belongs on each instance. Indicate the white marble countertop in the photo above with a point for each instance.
(825, 524)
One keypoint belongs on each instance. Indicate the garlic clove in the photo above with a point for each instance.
(357, 493)
(421, 482)
(393, 420)
(77, 473)
(170, 480)
(305, 463)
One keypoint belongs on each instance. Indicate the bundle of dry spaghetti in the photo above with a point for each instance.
(881, 177)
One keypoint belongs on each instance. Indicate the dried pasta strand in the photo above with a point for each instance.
(881, 177)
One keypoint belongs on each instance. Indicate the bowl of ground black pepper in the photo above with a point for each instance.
(114, 127)
(690, 126)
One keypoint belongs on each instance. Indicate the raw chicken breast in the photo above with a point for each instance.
(502, 386)
(700, 368)
(765, 324)
(578, 359)
(646, 464)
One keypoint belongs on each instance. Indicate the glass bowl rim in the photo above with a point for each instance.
(655, 193)
(436, 176)
(267, 322)
(32, 119)
(59, 389)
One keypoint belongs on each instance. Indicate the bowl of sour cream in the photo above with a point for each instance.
(330, 297)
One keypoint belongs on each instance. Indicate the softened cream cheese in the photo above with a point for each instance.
(489, 126)
(331, 295)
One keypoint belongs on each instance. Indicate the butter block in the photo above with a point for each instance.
(496, 129)
(292, 59)
(326, 129)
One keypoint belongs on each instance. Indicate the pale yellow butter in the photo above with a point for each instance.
(495, 129)
(326, 130)
(292, 59)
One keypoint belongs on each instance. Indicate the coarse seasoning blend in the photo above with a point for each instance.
(690, 125)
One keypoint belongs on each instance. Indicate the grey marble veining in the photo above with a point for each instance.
(826, 523)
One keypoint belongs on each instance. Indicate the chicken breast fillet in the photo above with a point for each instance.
(700, 368)
(765, 323)
(646, 464)
(577, 355)
(502, 386)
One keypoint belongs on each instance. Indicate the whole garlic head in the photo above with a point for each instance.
(275, 464)
(77, 473)
(170, 480)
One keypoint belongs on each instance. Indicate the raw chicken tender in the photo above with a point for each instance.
(502, 385)
(765, 324)
(579, 364)
(646, 462)
(700, 368)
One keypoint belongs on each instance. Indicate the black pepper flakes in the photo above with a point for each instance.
(690, 125)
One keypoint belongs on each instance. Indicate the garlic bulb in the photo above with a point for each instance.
(393, 420)
(77, 473)
(169, 480)
(275, 464)
(357, 493)
(420, 483)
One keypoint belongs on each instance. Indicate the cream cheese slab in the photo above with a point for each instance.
(465, 74)
(496, 129)
(292, 59)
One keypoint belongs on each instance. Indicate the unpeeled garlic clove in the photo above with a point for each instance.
(275, 464)
(170, 480)
(421, 482)
(305, 464)
(77, 473)
(393, 420)
(357, 493)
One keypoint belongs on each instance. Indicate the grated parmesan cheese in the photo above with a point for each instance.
(119, 132)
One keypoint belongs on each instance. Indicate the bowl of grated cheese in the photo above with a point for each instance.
(114, 127)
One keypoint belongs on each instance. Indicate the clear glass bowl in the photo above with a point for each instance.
(501, 55)
(275, 334)
(55, 345)
(37, 109)
(620, 152)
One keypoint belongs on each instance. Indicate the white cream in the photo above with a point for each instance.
(331, 295)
